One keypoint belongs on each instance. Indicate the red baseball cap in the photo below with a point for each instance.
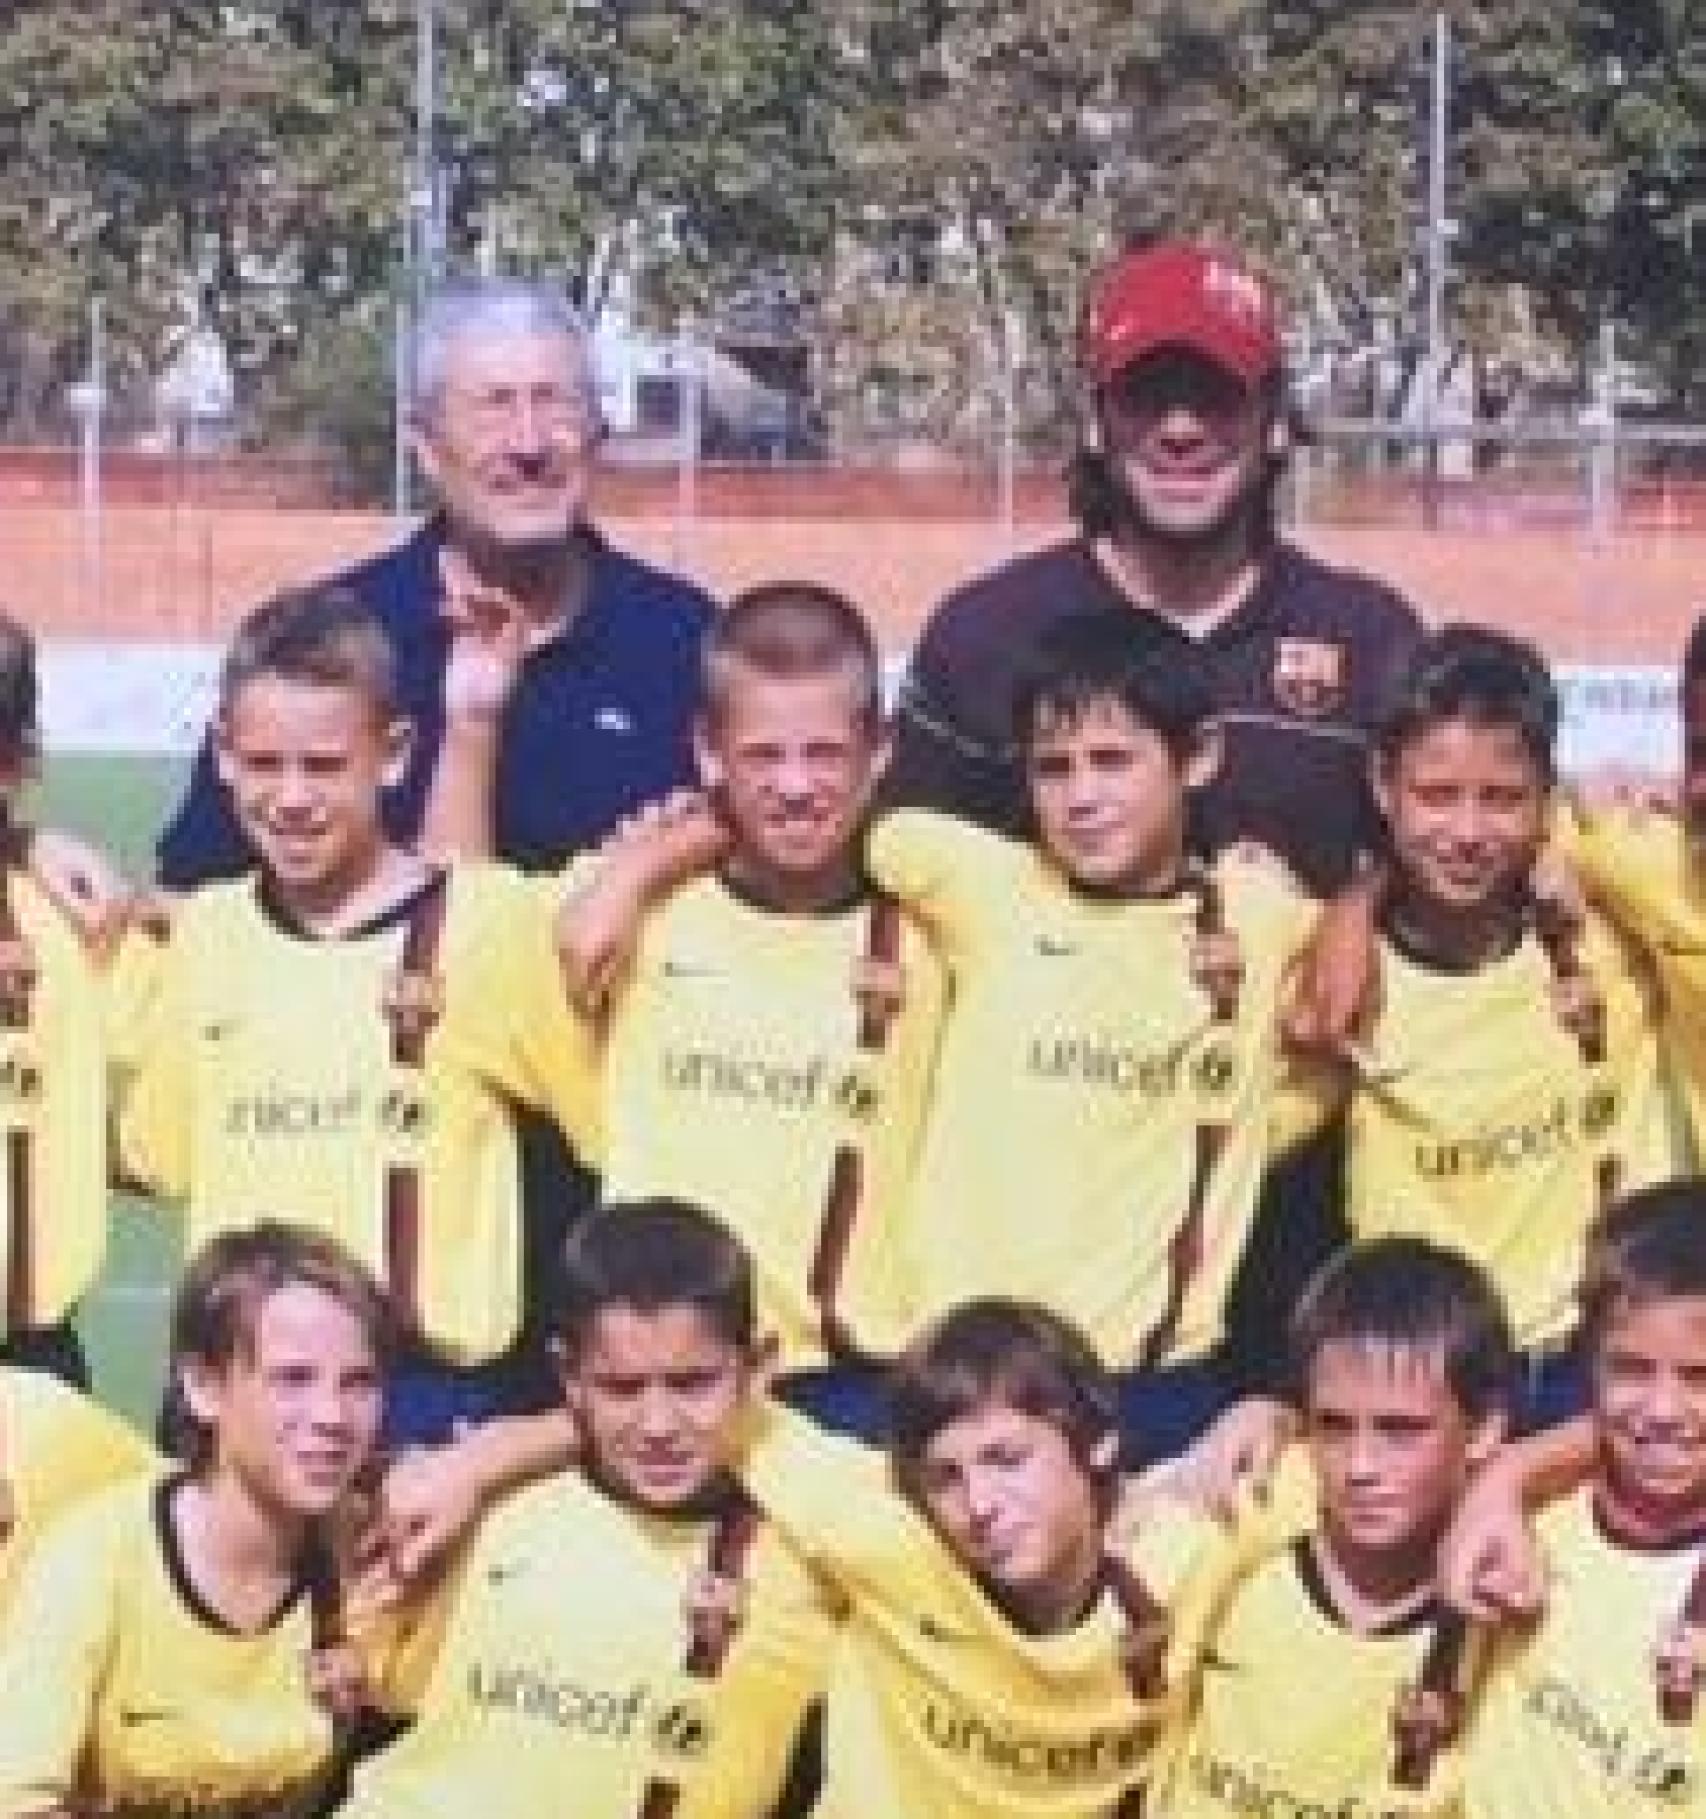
(1178, 295)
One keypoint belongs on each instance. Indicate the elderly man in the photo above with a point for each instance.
(595, 719)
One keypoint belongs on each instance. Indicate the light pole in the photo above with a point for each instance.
(420, 241)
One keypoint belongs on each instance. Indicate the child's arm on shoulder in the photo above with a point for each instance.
(431, 1497)
(1490, 1565)
(649, 855)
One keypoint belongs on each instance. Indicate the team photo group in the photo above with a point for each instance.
(1111, 1232)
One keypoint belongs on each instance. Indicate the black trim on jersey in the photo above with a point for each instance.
(1320, 1594)
(1407, 949)
(166, 1533)
(1605, 1526)
(1112, 893)
(266, 900)
(856, 897)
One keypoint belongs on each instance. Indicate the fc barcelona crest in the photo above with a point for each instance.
(1309, 677)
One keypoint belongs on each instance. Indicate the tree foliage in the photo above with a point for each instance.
(930, 179)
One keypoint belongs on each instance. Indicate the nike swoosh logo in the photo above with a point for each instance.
(218, 1029)
(612, 720)
(687, 969)
(146, 1714)
(1052, 949)
(932, 1631)
(501, 1575)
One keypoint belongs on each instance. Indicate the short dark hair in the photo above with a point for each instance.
(1648, 1246)
(1114, 654)
(325, 634)
(216, 1312)
(20, 695)
(1013, 1354)
(1694, 656)
(1404, 1294)
(787, 630)
(650, 1255)
(1475, 674)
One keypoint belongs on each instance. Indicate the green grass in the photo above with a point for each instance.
(121, 802)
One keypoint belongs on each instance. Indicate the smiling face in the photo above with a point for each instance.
(1392, 1449)
(509, 439)
(1017, 1508)
(1649, 1406)
(794, 760)
(1465, 809)
(659, 1396)
(293, 1416)
(1109, 797)
(306, 764)
(1188, 444)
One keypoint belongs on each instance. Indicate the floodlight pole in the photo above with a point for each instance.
(1439, 233)
(420, 240)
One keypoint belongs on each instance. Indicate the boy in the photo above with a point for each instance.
(303, 1024)
(1090, 1023)
(1595, 1710)
(1095, 1023)
(998, 1657)
(586, 1660)
(1313, 1664)
(1478, 1118)
(768, 1049)
(1644, 872)
(53, 1058)
(155, 1651)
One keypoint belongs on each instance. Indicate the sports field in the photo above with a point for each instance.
(121, 800)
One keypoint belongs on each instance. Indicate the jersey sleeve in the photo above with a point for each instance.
(131, 984)
(830, 1497)
(67, 1445)
(53, 1654)
(508, 1018)
(945, 871)
(156, 1111)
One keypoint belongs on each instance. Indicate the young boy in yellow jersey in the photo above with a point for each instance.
(1644, 871)
(53, 1060)
(1133, 1090)
(1478, 1116)
(301, 1027)
(1309, 1693)
(767, 1050)
(1595, 1709)
(1000, 1658)
(157, 1650)
(637, 1640)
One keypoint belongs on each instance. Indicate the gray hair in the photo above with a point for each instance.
(487, 306)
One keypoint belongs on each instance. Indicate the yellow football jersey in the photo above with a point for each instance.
(564, 1676)
(53, 1121)
(266, 1083)
(939, 1707)
(1086, 1096)
(122, 1688)
(1293, 1711)
(733, 1075)
(1645, 873)
(1570, 1723)
(1476, 1121)
(55, 1447)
